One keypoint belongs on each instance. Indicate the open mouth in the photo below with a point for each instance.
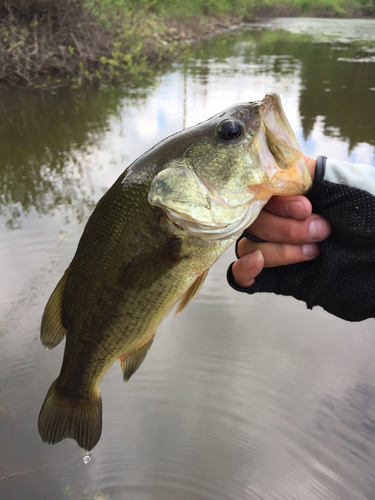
(285, 163)
(272, 113)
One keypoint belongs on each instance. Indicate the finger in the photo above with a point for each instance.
(278, 254)
(310, 164)
(276, 229)
(246, 269)
(298, 207)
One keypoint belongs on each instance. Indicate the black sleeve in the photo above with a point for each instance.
(342, 278)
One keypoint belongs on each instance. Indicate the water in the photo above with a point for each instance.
(240, 397)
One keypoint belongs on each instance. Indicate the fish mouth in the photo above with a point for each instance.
(280, 154)
(242, 216)
(274, 164)
(204, 213)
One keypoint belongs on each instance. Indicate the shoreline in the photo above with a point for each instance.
(84, 52)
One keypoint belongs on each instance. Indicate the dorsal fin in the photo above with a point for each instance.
(129, 363)
(191, 292)
(52, 330)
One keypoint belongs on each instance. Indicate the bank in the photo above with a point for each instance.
(47, 43)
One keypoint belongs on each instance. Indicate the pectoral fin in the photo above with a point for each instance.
(144, 270)
(129, 363)
(52, 330)
(191, 292)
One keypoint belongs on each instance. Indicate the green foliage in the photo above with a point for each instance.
(100, 41)
(338, 8)
(134, 29)
(368, 6)
(68, 40)
(191, 8)
(110, 10)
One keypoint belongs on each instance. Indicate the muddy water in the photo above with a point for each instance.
(240, 397)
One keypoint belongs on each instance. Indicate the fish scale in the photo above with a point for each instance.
(150, 242)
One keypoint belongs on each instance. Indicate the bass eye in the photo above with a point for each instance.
(229, 130)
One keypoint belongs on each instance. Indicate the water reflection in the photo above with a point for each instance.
(330, 86)
(50, 142)
(47, 139)
(44, 139)
(240, 397)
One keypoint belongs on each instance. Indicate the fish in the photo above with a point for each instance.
(150, 243)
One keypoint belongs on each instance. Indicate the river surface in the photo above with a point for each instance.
(240, 397)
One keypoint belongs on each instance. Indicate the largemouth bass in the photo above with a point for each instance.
(150, 242)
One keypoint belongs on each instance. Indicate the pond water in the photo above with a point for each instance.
(240, 397)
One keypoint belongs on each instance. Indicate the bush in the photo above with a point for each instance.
(42, 40)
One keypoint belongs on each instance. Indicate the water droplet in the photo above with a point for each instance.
(86, 458)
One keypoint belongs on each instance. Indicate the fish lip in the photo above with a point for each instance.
(273, 117)
(275, 98)
(266, 105)
(220, 232)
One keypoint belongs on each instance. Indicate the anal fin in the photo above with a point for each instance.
(129, 363)
(52, 330)
(191, 292)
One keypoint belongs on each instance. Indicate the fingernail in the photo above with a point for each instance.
(252, 260)
(319, 229)
(311, 250)
(292, 208)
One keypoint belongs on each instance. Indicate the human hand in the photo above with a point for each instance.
(342, 279)
(291, 232)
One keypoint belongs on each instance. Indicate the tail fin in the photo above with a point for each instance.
(63, 417)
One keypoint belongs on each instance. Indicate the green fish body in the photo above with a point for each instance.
(150, 242)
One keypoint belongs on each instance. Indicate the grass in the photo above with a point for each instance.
(50, 42)
(327, 8)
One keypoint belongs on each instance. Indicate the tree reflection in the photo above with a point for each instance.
(336, 78)
(46, 140)
(338, 90)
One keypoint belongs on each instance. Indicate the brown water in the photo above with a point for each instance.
(240, 397)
